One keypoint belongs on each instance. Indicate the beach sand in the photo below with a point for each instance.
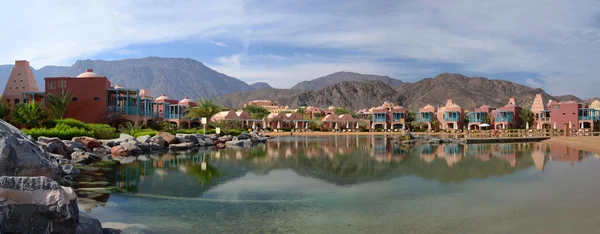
(587, 143)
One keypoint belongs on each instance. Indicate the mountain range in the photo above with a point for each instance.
(180, 77)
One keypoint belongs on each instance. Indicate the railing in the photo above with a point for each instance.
(545, 119)
(425, 119)
(476, 119)
(508, 119)
(379, 119)
(589, 117)
(451, 118)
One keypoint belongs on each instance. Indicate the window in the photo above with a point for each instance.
(16, 87)
(62, 84)
(21, 80)
(564, 113)
(74, 99)
(573, 113)
(96, 99)
(52, 84)
(17, 101)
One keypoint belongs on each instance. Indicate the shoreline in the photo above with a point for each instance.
(278, 134)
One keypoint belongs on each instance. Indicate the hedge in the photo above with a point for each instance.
(61, 130)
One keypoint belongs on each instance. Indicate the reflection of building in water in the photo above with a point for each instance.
(427, 152)
(480, 151)
(506, 152)
(451, 153)
(383, 150)
(565, 153)
(539, 157)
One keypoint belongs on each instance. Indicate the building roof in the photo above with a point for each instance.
(398, 108)
(485, 106)
(595, 105)
(117, 86)
(428, 108)
(330, 118)
(88, 73)
(186, 101)
(162, 98)
(144, 93)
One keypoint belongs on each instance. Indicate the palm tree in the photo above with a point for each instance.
(59, 103)
(205, 108)
(527, 116)
(29, 114)
(4, 109)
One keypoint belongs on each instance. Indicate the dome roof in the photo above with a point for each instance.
(379, 108)
(398, 108)
(186, 101)
(88, 73)
(162, 98)
(595, 105)
(484, 106)
(118, 86)
(144, 93)
(454, 106)
(428, 108)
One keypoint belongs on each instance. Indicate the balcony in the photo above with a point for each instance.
(379, 118)
(452, 116)
(505, 116)
(397, 117)
(425, 117)
(477, 117)
(589, 114)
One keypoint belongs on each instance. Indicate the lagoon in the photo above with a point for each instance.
(359, 184)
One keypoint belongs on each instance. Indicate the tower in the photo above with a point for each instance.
(21, 80)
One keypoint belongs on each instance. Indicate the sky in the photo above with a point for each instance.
(551, 44)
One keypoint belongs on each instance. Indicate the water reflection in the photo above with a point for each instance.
(340, 160)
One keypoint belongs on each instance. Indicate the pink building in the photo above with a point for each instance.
(450, 116)
(480, 116)
(388, 116)
(508, 116)
(425, 116)
(565, 114)
(541, 114)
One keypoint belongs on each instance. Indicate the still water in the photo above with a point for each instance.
(360, 184)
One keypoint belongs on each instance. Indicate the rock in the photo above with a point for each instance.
(111, 231)
(54, 145)
(126, 137)
(244, 136)
(239, 142)
(182, 146)
(101, 151)
(87, 224)
(186, 138)
(75, 145)
(144, 139)
(128, 228)
(132, 146)
(220, 145)
(90, 143)
(69, 169)
(201, 142)
(154, 146)
(208, 142)
(85, 158)
(119, 150)
(20, 156)
(168, 137)
(37, 205)
(108, 143)
(158, 140)
(142, 158)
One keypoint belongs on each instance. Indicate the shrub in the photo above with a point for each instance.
(62, 131)
(69, 122)
(100, 131)
(145, 132)
(103, 131)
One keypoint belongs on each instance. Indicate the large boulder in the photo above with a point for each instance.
(168, 137)
(54, 145)
(132, 146)
(182, 146)
(76, 145)
(126, 137)
(89, 142)
(120, 151)
(158, 140)
(85, 158)
(201, 142)
(144, 139)
(19, 156)
(88, 224)
(101, 151)
(239, 143)
(244, 136)
(37, 205)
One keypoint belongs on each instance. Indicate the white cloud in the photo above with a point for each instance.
(533, 83)
(219, 44)
(557, 39)
(127, 52)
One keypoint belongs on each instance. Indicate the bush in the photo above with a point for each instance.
(61, 130)
(100, 131)
(103, 131)
(69, 122)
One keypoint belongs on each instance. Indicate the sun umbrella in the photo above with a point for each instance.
(253, 125)
(554, 125)
(356, 125)
(527, 125)
(347, 125)
(296, 127)
(538, 126)
(278, 124)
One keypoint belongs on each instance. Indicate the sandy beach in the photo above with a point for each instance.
(588, 143)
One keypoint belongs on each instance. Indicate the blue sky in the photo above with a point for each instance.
(552, 44)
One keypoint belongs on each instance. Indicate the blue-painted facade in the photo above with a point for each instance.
(452, 116)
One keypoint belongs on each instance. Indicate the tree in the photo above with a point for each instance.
(59, 103)
(4, 109)
(29, 114)
(302, 111)
(527, 116)
(340, 111)
(487, 119)
(257, 112)
(205, 108)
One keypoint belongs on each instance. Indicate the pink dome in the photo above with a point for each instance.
(88, 73)
(186, 101)
(162, 98)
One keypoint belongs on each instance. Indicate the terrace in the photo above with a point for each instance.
(545, 116)
(589, 114)
(379, 117)
(425, 117)
(477, 117)
(397, 117)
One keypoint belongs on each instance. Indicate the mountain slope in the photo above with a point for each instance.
(352, 95)
(175, 77)
(261, 85)
(467, 92)
(338, 77)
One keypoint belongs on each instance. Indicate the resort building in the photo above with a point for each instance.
(270, 105)
(95, 100)
(20, 81)
(450, 116)
(388, 116)
(541, 114)
(480, 117)
(426, 116)
(508, 116)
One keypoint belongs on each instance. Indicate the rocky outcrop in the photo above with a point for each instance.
(90, 143)
(167, 137)
(21, 157)
(37, 205)
(338, 77)
(55, 146)
(87, 224)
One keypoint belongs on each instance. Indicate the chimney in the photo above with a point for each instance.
(21, 63)
(449, 102)
(512, 101)
(89, 70)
